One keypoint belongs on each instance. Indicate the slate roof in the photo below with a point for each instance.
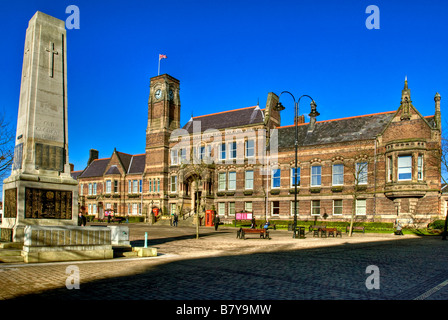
(137, 164)
(75, 174)
(112, 170)
(227, 119)
(131, 163)
(95, 169)
(339, 130)
(333, 131)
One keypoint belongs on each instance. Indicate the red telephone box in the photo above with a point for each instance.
(155, 211)
(209, 216)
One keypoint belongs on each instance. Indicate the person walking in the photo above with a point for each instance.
(216, 221)
(175, 219)
(82, 221)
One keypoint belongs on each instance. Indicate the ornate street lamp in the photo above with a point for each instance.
(314, 112)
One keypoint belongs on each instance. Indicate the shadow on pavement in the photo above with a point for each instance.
(406, 269)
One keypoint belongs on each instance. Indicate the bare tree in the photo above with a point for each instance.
(359, 169)
(6, 146)
(198, 169)
(438, 158)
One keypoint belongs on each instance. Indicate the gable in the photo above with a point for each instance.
(407, 123)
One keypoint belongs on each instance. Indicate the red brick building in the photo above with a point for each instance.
(379, 167)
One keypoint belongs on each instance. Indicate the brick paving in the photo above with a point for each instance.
(218, 266)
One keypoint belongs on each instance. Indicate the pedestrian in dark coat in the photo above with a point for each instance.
(216, 221)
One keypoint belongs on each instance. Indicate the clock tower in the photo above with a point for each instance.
(163, 118)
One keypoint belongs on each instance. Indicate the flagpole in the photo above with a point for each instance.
(158, 72)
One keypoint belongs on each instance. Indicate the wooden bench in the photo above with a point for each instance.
(333, 232)
(355, 229)
(241, 233)
(316, 230)
(312, 228)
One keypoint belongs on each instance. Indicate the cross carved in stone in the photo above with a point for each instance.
(52, 52)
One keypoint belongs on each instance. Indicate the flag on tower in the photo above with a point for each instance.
(161, 56)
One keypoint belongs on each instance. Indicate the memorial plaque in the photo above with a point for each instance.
(48, 204)
(49, 157)
(10, 210)
(18, 151)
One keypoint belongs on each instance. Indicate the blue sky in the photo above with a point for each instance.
(228, 55)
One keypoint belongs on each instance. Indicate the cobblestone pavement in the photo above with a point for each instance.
(218, 266)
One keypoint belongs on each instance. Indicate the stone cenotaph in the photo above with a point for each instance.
(40, 197)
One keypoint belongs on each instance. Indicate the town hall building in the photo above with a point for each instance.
(377, 167)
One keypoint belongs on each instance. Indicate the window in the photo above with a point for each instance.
(360, 206)
(94, 188)
(135, 186)
(338, 174)
(183, 155)
(316, 176)
(232, 150)
(221, 208)
(174, 157)
(158, 184)
(420, 167)
(129, 186)
(250, 148)
(315, 207)
(404, 168)
(173, 183)
(293, 207)
(90, 189)
(389, 168)
(221, 181)
(201, 151)
(94, 208)
(361, 172)
(135, 208)
(232, 180)
(140, 186)
(337, 206)
(222, 153)
(115, 186)
(231, 208)
(81, 186)
(108, 186)
(173, 208)
(295, 175)
(275, 183)
(248, 206)
(150, 185)
(249, 179)
(275, 208)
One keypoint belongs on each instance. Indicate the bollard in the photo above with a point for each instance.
(146, 239)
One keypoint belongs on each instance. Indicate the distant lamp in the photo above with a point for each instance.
(279, 107)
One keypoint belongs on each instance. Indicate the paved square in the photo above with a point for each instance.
(218, 266)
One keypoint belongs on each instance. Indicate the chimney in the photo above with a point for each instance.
(93, 155)
(437, 114)
(299, 119)
(72, 167)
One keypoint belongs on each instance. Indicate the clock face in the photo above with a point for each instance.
(158, 94)
(171, 95)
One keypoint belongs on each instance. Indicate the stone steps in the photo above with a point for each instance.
(11, 252)
(124, 251)
(11, 245)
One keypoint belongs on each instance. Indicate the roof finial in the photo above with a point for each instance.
(406, 82)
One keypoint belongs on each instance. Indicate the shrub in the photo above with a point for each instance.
(437, 224)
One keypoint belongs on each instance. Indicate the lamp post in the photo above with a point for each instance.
(280, 107)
